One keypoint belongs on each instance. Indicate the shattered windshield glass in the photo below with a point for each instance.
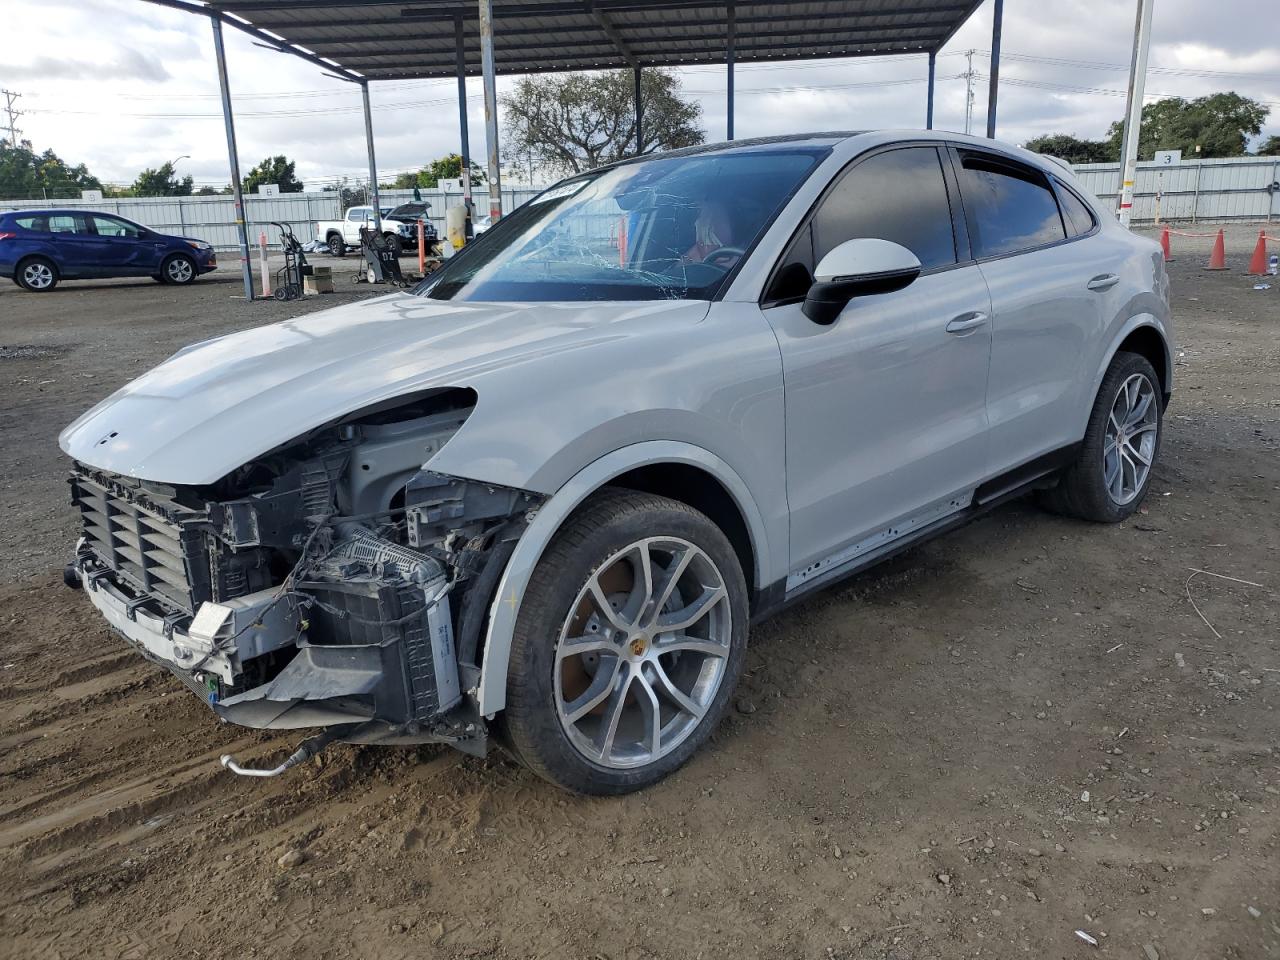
(669, 228)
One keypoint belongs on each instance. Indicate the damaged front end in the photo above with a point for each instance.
(335, 582)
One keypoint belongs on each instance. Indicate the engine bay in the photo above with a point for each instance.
(333, 582)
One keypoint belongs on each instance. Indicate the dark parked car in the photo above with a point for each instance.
(38, 248)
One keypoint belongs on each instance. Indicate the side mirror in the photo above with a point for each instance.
(857, 268)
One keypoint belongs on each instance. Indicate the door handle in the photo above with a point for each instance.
(1104, 281)
(967, 322)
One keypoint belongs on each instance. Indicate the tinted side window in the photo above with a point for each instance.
(1010, 207)
(111, 227)
(1079, 217)
(64, 223)
(899, 195)
(32, 223)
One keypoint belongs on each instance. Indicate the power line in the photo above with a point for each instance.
(1164, 71)
(417, 104)
(820, 88)
(1092, 91)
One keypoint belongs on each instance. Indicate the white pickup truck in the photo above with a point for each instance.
(399, 225)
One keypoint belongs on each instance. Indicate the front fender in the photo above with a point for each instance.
(492, 688)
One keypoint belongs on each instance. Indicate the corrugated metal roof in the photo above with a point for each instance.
(397, 39)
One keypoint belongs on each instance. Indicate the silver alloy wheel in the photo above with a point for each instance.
(642, 652)
(37, 276)
(180, 270)
(1130, 442)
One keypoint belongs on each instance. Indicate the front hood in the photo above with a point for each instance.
(218, 404)
(174, 238)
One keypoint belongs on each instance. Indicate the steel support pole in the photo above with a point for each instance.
(489, 71)
(639, 116)
(246, 269)
(993, 85)
(928, 109)
(729, 53)
(1133, 114)
(461, 45)
(373, 164)
(1124, 129)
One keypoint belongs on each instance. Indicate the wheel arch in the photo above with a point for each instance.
(38, 255)
(697, 487)
(1142, 334)
(1148, 341)
(656, 466)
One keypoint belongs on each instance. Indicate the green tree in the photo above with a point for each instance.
(567, 123)
(162, 182)
(1270, 147)
(356, 195)
(1073, 149)
(25, 174)
(1220, 125)
(448, 167)
(279, 170)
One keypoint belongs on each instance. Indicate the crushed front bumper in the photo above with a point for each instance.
(375, 690)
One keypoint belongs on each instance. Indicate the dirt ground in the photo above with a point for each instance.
(1011, 734)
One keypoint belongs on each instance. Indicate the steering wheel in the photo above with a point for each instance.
(730, 253)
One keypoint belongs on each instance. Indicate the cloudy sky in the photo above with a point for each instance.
(122, 84)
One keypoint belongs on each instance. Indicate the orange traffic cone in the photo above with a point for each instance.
(1164, 244)
(1258, 264)
(1218, 259)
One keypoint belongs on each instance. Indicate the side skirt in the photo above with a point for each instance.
(936, 520)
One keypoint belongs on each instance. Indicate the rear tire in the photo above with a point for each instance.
(608, 702)
(1112, 474)
(37, 274)
(178, 270)
(337, 246)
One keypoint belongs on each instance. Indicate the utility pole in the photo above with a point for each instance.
(11, 98)
(1133, 116)
(968, 92)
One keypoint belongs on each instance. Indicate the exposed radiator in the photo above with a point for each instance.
(149, 552)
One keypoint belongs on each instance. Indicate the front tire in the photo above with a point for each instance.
(1112, 475)
(178, 270)
(629, 643)
(396, 244)
(36, 274)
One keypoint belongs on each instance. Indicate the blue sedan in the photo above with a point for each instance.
(38, 248)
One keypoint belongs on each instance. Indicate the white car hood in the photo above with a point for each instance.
(218, 404)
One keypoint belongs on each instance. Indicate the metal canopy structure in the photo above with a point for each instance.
(402, 39)
(362, 41)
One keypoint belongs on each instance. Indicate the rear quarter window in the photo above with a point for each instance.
(1080, 219)
(32, 223)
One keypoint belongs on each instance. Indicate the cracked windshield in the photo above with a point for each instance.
(663, 229)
